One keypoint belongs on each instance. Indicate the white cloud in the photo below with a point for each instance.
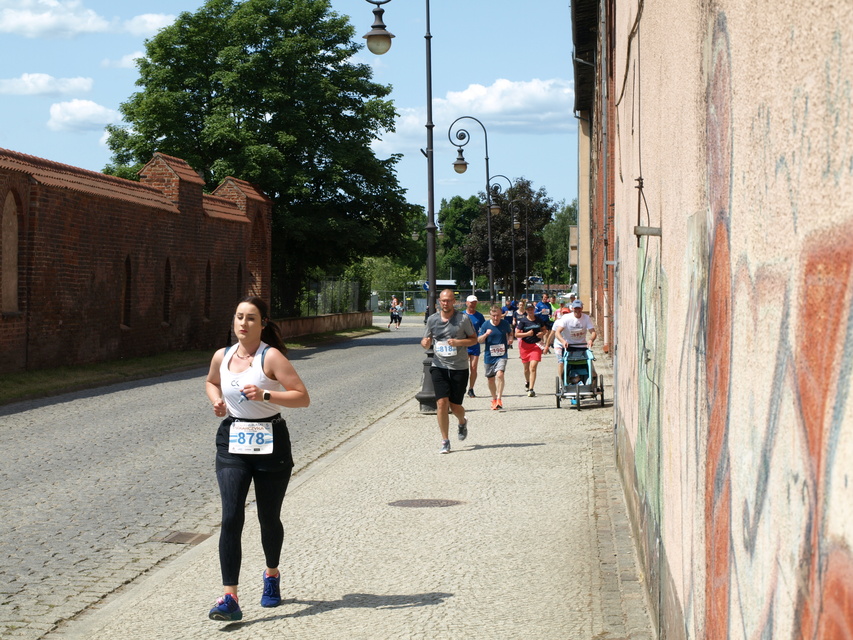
(69, 18)
(49, 18)
(40, 84)
(538, 107)
(80, 115)
(535, 106)
(125, 62)
(148, 24)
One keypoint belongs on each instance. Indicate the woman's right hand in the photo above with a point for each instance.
(219, 408)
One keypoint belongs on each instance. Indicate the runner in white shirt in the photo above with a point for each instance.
(571, 330)
(248, 385)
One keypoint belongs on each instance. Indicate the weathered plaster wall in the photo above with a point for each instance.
(735, 328)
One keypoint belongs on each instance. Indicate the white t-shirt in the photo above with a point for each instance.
(574, 329)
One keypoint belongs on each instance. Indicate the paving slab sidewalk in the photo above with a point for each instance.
(521, 532)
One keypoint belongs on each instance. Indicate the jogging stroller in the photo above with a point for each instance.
(580, 381)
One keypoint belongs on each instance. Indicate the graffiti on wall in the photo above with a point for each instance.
(650, 374)
(718, 337)
(777, 345)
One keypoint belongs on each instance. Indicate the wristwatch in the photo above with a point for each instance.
(266, 395)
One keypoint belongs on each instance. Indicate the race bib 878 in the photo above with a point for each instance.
(254, 438)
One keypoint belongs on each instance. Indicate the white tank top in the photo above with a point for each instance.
(232, 383)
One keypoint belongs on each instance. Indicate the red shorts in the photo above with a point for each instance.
(529, 351)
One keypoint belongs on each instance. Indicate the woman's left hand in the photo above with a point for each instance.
(253, 393)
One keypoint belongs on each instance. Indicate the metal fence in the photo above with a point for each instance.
(415, 301)
(330, 296)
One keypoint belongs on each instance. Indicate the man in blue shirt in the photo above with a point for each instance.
(543, 312)
(510, 314)
(496, 336)
(477, 321)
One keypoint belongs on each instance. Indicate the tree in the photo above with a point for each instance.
(533, 209)
(555, 263)
(389, 275)
(455, 218)
(268, 91)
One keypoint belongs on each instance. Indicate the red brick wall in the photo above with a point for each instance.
(13, 335)
(72, 254)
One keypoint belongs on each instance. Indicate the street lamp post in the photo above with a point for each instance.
(513, 208)
(379, 41)
(460, 165)
(496, 190)
(513, 227)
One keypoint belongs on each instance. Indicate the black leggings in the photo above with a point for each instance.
(270, 488)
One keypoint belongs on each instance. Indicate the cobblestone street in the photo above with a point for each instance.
(94, 481)
(523, 532)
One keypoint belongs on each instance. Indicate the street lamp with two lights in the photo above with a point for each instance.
(460, 165)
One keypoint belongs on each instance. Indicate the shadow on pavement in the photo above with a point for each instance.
(349, 601)
(375, 340)
(475, 447)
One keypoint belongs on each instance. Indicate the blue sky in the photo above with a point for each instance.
(68, 64)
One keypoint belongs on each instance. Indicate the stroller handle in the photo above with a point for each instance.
(588, 355)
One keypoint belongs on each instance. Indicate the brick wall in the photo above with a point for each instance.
(14, 192)
(83, 237)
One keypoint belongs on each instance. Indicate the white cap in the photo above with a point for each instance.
(471, 298)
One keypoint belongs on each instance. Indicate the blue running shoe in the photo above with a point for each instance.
(226, 609)
(272, 594)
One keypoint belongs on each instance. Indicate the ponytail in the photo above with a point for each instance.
(271, 334)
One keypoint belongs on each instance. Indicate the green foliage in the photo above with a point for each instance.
(411, 248)
(388, 274)
(533, 210)
(268, 91)
(360, 273)
(554, 266)
(128, 172)
(455, 218)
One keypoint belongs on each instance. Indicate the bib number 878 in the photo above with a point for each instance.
(250, 438)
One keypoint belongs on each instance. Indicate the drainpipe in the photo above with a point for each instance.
(606, 168)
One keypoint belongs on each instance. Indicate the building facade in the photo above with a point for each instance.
(96, 267)
(717, 163)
